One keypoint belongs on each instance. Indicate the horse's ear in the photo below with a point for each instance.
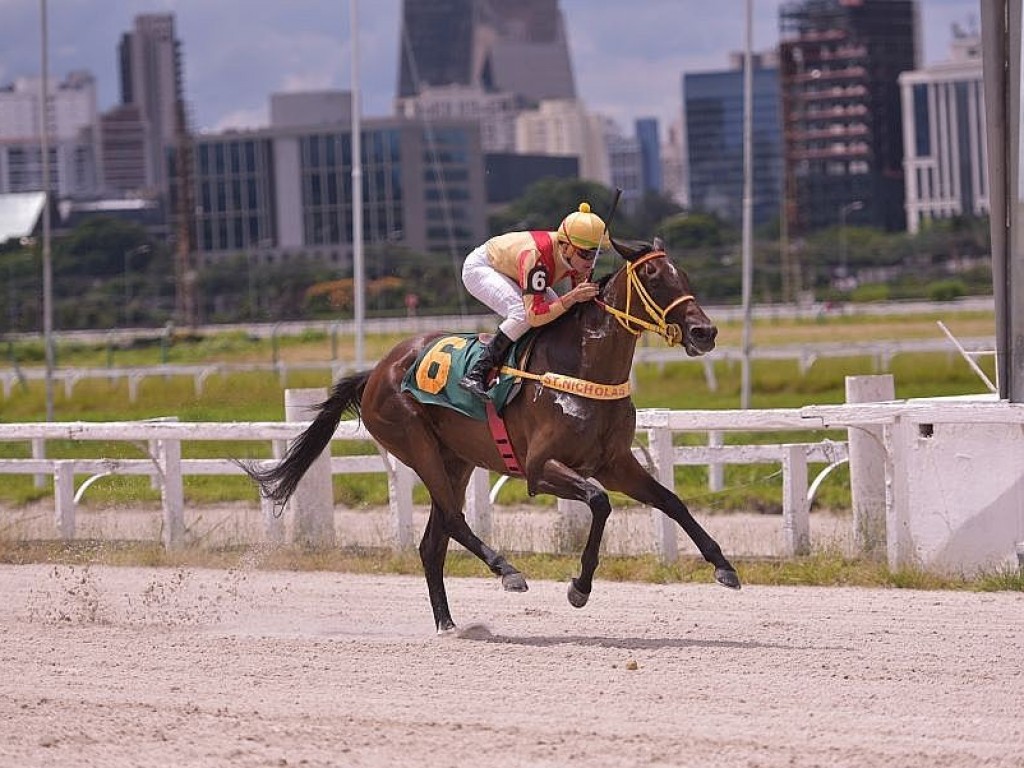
(631, 250)
(659, 244)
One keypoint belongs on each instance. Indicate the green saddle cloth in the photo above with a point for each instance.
(434, 377)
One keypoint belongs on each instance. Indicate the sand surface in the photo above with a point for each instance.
(114, 667)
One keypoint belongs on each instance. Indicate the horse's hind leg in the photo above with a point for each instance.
(446, 478)
(457, 527)
(433, 551)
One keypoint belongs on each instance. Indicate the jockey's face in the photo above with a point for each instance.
(581, 259)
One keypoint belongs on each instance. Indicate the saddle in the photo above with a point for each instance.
(434, 378)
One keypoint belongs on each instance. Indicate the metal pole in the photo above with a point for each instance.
(44, 145)
(844, 211)
(357, 187)
(748, 185)
(842, 240)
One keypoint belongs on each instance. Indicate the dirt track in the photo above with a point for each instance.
(125, 666)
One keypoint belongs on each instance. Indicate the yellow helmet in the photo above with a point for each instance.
(583, 229)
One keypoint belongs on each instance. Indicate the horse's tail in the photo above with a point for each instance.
(278, 482)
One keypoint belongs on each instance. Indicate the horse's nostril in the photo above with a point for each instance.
(703, 333)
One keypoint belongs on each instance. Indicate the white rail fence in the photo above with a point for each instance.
(304, 522)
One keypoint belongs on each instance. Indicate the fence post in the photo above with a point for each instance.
(172, 494)
(154, 480)
(796, 524)
(716, 472)
(39, 452)
(659, 440)
(572, 525)
(309, 516)
(64, 498)
(478, 504)
(867, 467)
(400, 480)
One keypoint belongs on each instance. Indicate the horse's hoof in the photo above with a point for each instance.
(514, 582)
(577, 599)
(727, 577)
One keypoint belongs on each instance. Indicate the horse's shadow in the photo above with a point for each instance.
(483, 635)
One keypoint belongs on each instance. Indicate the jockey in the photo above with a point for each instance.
(513, 274)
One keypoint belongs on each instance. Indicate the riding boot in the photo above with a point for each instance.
(475, 381)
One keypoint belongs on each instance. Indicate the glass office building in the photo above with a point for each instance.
(280, 192)
(713, 107)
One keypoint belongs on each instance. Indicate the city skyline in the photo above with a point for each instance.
(236, 54)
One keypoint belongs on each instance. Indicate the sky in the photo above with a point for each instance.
(628, 57)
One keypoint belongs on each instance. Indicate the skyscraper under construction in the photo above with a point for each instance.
(840, 62)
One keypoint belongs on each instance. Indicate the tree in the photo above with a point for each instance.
(696, 230)
(654, 209)
(96, 248)
(547, 202)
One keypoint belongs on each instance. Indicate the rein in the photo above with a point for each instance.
(671, 332)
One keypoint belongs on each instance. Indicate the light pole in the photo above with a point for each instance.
(136, 251)
(856, 205)
(748, 197)
(358, 269)
(44, 149)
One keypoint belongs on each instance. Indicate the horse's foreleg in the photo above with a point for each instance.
(629, 477)
(558, 479)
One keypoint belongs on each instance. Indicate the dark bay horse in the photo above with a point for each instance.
(563, 441)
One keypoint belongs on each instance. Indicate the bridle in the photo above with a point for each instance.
(671, 332)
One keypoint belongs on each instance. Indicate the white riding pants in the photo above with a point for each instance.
(500, 293)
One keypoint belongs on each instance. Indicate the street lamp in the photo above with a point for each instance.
(856, 205)
(44, 150)
(136, 251)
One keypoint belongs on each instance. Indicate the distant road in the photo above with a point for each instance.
(413, 325)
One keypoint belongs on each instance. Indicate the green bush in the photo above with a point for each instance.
(946, 290)
(871, 292)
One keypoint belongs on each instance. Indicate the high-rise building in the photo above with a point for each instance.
(517, 48)
(285, 192)
(839, 63)
(713, 112)
(564, 127)
(73, 136)
(650, 154)
(625, 163)
(151, 82)
(123, 149)
(674, 173)
(944, 147)
(483, 60)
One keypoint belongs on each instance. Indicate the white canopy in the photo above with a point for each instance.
(19, 214)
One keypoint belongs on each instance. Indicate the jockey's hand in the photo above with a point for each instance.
(581, 292)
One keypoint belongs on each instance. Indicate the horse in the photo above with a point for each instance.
(566, 444)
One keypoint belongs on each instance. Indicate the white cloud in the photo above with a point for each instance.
(241, 119)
